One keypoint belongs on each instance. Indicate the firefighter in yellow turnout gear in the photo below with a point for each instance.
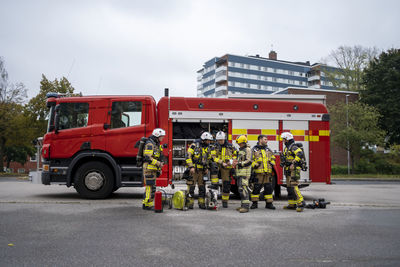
(225, 155)
(243, 172)
(198, 157)
(263, 162)
(293, 156)
(152, 165)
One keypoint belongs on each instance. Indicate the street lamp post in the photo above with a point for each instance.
(348, 143)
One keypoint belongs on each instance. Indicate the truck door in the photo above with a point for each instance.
(319, 159)
(299, 129)
(126, 126)
(73, 129)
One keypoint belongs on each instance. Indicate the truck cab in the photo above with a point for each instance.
(90, 141)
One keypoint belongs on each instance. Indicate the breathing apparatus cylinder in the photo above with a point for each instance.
(158, 205)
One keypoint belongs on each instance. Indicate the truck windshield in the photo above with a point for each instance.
(50, 123)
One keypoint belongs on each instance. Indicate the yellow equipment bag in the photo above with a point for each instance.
(179, 200)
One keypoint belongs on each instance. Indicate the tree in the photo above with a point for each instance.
(36, 108)
(11, 99)
(20, 135)
(349, 63)
(382, 90)
(363, 129)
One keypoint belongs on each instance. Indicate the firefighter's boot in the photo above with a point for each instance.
(244, 208)
(291, 206)
(225, 204)
(254, 205)
(300, 207)
(190, 203)
(269, 205)
(202, 204)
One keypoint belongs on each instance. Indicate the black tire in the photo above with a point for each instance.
(94, 180)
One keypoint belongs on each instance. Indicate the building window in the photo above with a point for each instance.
(291, 72)
(248, 85)
(274, 79)
(241, 65)
(33, 158)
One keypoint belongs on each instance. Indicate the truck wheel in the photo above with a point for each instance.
(94, 180)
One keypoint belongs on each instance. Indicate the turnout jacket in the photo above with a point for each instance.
(152, 154)
(263, 159)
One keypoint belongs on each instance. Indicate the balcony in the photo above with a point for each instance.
(316, 86)
(221, 88)
(221, 68)
(314, 78)
(220, 78)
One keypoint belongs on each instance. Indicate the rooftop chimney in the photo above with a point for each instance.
(273, 55)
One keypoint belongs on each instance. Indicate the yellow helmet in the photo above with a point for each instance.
(241, 139)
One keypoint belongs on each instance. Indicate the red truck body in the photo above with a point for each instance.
(85, 146)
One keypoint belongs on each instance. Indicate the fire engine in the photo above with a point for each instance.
(90, 140)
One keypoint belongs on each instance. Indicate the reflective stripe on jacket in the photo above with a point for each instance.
(243, 167)
(152, 154)
(197, 156)
(224, 153)
(263, 159)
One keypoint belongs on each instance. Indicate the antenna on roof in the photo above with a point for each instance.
(70, 69)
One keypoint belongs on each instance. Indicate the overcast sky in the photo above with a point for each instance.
(141, 47)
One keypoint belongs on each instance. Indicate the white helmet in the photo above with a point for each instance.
(220, 136)
(206, 136)
(287, 136)
(157, 132)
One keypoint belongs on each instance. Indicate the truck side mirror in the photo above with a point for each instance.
(57, 119)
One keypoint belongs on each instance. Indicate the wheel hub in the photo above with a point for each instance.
(94, 181)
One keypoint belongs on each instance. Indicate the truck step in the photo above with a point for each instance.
(132, 184)
(131, 169)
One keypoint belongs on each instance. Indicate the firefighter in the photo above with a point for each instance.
(152, 165)
(263, 162)
(293, 156)
(243, 172)
(225, 154)
(197, 161)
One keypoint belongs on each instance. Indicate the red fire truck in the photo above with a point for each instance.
(90, 141)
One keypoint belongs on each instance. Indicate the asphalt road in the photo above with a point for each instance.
(51, 226)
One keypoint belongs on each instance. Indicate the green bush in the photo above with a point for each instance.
(373, 163)
(339, 169)
(378, 163)
(364, 165)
